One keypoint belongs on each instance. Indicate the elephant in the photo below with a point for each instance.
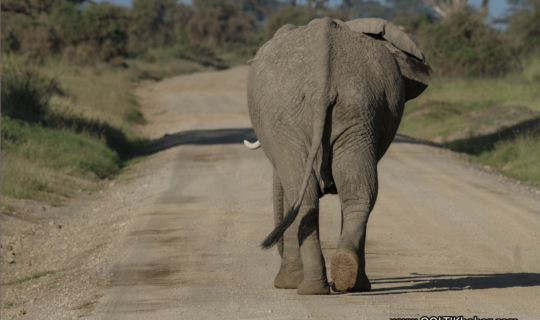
(325, 101)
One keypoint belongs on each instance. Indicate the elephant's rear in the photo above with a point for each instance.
(322, 63)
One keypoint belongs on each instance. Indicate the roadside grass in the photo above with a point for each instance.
(98, 93)
(47, 134)
(185, 58)
(465, 115)
(157, 69)
(85, 127)
(62, 120)
(518, 159)
(64, 151)
(449, 105)
(25, 180)
(25, 279)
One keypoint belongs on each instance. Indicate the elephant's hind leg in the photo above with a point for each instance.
(305, 230)
(291, 272)
(355, 174)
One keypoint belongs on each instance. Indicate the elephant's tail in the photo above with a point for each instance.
(326, 98)
(318, 130)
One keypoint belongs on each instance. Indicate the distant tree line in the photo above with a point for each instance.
(457, 38)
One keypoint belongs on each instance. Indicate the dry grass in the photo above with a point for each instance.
(100, 92)
(457, 112)
(89, 124)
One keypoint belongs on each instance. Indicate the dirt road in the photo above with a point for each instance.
(445, 238)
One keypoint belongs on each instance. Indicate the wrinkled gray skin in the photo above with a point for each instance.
(325, 101)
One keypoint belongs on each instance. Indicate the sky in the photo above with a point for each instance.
(497, 8)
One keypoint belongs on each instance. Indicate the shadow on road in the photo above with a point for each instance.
(201, 137)
(436, 283)
(401, 138)
(476, 144)
(230, 136)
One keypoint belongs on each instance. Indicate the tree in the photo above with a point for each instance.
(106, 30)
(524, 25)
(35, 7)
(157, 23)
(463, 45)
(446, 7)
(217, 22)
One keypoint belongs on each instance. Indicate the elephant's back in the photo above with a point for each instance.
(295, 66)
(290, 72)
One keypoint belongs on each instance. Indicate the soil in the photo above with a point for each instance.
(177, 236)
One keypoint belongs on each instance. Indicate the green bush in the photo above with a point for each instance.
(13, 132)
(67, 17)
(25, 92)
(11, 25)
(191, 51)
(27, 35)
(106, 30)
(220, 22)
(135, 116)
(97, 33)
(60, 150)
(525, 28)
(462, 45)
(157, 23)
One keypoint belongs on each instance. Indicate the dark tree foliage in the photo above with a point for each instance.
(158, 23)
(25, 93)
(23, 33)
(217, 22)
(99, 32)
(67, 17)
(524, 25)
(462, 45)
(34, 7)
(105, 29)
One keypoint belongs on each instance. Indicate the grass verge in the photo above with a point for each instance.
(484, 118)
(449, 106)
(66, 126)
(518, 159)
(64, 151)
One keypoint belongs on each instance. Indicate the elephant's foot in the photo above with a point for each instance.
(288, 280)
(313, 287)
(346, 274)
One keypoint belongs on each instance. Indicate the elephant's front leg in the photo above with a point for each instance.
(355, 174)
(306, 229)
(291, 272)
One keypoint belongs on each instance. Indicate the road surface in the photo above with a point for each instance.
(444, 239)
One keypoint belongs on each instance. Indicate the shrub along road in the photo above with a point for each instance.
(445, 238)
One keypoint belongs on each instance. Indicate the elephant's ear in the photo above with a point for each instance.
(341, 23)
(414, 67)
